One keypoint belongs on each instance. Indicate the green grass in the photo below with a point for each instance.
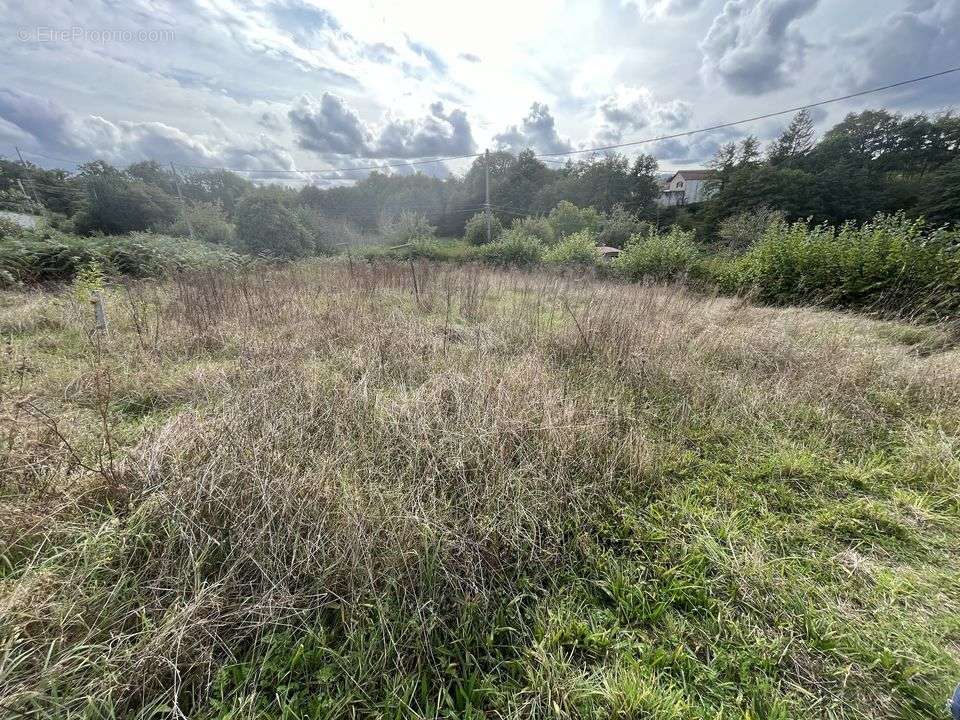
(502, 494)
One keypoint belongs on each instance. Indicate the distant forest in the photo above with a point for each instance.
(873, 161)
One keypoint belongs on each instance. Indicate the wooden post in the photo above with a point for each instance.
(99, 314)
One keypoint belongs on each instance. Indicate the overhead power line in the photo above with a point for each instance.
(764, 116)
(632, 143)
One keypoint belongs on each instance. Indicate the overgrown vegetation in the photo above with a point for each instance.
(837, 221)
(384, 490)
(47, 255)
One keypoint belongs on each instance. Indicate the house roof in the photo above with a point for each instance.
(690, 174)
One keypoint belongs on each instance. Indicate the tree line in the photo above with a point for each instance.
(870, 162)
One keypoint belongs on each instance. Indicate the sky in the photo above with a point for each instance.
(328, 90)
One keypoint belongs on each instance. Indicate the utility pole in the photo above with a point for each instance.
(24, 164)
(183, 205)
(486, 204)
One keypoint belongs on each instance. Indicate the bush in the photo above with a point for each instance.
(513, 250)
(117, 205)
(409, 226)
(666, 255)
(577, 249)
(618, 226)
(475, 231)
(431, 249)
(535, 226)
(53, 256)
(740, 232)
(890, 264)
(567, 219)
(266, 225)
(209, 223)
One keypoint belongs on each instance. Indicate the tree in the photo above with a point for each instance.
(267, 225)
(209, 224)
(618, 226)
(748, 151)
(941, 203)
(644, 184)
(795, 142)
(566, 219)
(475, 230)
(118, 204)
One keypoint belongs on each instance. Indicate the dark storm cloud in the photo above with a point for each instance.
(752, 46)
(538, 130)
(329, 126)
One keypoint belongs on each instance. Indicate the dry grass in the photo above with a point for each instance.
(451, 490)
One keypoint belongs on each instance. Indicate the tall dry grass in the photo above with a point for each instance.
(246, 452)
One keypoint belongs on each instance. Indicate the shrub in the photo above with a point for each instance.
(409, 226)
(117, 204)
(535, 226)
(618, 226)
(266, 225)
(52, 256)
(740, 232)
(475, 231)
(9, 228)
(666, 255)
(429, 249)
(513, 249)
(577, 249)
(890, 264)
(567, 219)
(209, 223)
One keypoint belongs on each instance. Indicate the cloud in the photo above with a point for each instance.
(329, 127)
(631, 109)
(40, 118)
(662, 8)
(379, 52)
(538, 130)
(694, 150)
(752, 48)
(269, 120)
(428, 54)
(439, 133)
(470, 57)
(85, 137)
(922, 39)
(300, 18)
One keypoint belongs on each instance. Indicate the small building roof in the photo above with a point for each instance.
(690, 174)
(607, 250)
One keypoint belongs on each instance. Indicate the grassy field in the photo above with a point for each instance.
(335, 492)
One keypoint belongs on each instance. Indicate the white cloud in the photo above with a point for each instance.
(632, 109)
(538, 130)
(327, 126)
(753, 47)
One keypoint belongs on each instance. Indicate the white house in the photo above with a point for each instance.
(683, 188)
